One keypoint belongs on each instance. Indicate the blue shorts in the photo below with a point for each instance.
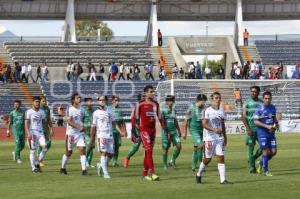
(267, 142)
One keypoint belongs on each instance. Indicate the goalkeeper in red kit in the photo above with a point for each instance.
(146, 113)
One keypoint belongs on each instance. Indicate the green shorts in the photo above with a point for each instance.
(251, 140)
(174, 139)
(197, 137)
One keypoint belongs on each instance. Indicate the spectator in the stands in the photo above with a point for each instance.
(238, 72)
(162, 75)
(237, 97)
(221, 73)
(159, 37)
(181, 73)
(74, 72)
(280, 69)
(191, 70)
(150, 71)
(174, 71)
(109, 70)
(121, 71)
(68, 71)
(29, 73)
(252, 66)
(114, 71)
(207, 71)
(260, 67)
(38, 73)
(127, 71)
(60, 112)
(24, 73)
(17, 72)
(101, 72)
(296, 72)
(246, 70)
(162, 62)
(79, 71)
(136, 72)
(198, 71)
(93, 74)
(246, 37)
(45, 72)
(89, 69)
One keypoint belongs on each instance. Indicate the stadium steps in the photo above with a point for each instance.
(5, 57)
(249, 53)
(157, 52)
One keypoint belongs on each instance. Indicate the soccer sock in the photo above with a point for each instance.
(165, 159)
(64, 161)
(90, 157)
(150, 161)
(145, 170)
(32, 159)
(83, 162)
(221, 168)
(104, 163)
(18, 152)
(42, 155)
(176, 153)
(116, 155)
(48, 143)
(194, 159)
(265, 160)
(201, 169)
(257, 153)
(133, 150)
(199, 156)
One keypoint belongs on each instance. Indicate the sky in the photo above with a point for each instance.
(129, 28)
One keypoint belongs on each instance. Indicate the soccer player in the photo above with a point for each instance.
(47, 126)
(266, 123)
(193, 124)
(146, 113)
(87, 121)
(34, 119)
(16, 120)
(174, 134)
(215, 138)
(119, 128)
(135, 134)
(74, 134)
(249, 108)
(102, 125)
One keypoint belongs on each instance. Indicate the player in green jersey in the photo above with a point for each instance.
(47, 126)
(135, 130)
(247, 118)
(87, 120)
(193, 124)
(119, 128)
(16, 120)
(174, 134)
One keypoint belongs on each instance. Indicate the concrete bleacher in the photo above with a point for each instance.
(271, 52)
(59, 93)
(57, 54)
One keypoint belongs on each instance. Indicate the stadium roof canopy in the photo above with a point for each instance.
(179, 10)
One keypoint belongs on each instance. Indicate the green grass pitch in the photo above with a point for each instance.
(17, 181)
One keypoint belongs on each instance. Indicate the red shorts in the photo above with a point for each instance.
(147, 137)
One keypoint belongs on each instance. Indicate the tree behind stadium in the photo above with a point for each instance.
(89, 28)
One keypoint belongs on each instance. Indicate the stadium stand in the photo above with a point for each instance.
(272, 52)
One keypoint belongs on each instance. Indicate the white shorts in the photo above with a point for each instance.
(214, 147)
(105, 145)
(36, 140)
(72, 140)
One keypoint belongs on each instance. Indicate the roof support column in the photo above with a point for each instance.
(153, 23)
(238, 28)
(69, 27)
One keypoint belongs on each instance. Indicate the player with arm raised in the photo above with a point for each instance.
(193, 124)
(35, 134)
(249, 109)
(266, 123)
(135, 134)
(215, 138)
(102, 130)
(74, 134)
(174, 134)
(16, 121)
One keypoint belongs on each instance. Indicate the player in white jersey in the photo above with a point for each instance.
(74, 134)
(102, 129)
(35, 136)
(214, 137)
